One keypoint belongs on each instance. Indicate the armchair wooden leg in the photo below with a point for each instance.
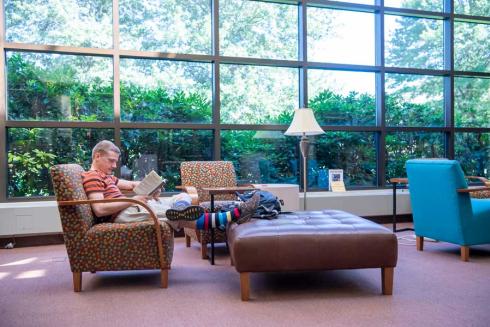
(187, 241)
(164, 278)
(387, 280)
(245, 285)
(77, 281)
(465, 253)
(420, 243)
(204, 250)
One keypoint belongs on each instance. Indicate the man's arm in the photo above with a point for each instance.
(107, 209)
(130, 185)
(127, 185)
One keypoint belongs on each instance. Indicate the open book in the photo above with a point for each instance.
(150, 184)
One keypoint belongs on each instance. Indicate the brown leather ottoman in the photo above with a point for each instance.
(312, 240)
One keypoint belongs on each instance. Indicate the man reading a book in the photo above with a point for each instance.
(99, 183)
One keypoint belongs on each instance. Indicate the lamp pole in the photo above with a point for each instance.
(303, 145)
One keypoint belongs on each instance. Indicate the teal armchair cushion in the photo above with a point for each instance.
(481, 221)
(439, 211)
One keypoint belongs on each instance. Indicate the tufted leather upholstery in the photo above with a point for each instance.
(311, 240)
(107, 246)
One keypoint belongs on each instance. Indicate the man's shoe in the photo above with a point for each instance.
(247, 208)
(190, 213)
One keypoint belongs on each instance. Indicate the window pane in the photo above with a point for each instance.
(165, 91)
(473, 151)
(340, 36)
(166, 25)
(342, 98)
(144, 150)
(414, 100)
(471, 44)
(472, 102)
(413, 42)
(433, 5)
(86, 23)
(32, 151)
(59, 87)
(258, 29)
(353, 152)
(261, 156)
(471, 7)
(402, 146)
(258, 94)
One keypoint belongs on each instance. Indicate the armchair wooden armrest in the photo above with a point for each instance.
(401, 180)
(481, 179)
(192, 191)
(474, 189)
(156, 222)
(246, 185)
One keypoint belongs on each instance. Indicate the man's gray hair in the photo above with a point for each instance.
(105, 146)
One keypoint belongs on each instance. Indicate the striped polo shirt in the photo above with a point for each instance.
(97, 181)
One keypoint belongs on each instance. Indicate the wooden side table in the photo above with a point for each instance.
(395, 182)
(223, 190)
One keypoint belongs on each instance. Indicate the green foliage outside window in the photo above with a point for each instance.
(281, 154)
(79, 88)
(402, 146)
(261, 156)
(165, 91)
(155, 105)
(353, 109)
(31, 151)
(57, 87)
(163, 151)
(473, 150)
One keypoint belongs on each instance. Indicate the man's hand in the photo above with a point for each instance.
(142, 198)
(156, 194)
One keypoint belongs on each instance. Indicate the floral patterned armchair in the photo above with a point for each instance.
(107, 246)
(480, 194)
(195, 176)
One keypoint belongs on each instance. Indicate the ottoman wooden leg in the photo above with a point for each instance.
(187, 241)
(245, 285)
(387, 280)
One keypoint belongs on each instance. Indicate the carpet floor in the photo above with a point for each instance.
(431, 288)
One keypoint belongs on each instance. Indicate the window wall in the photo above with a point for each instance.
(172, 80)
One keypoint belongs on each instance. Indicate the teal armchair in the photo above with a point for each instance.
(442, 208)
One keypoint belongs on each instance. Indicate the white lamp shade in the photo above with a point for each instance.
(304, 123)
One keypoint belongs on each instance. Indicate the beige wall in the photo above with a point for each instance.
(29, 218)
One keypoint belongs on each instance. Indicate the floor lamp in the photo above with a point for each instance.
(304, 124)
